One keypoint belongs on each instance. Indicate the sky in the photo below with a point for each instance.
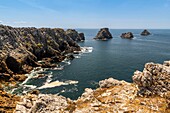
(116, 14)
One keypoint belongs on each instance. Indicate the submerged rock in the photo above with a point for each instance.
(103, 34)
(145, 33)
(128, 35)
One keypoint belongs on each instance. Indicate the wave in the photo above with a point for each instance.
(57, 83)
(86, 49)
(33, 73)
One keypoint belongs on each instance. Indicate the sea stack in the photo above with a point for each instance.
(128, 35)
(103, 34)
(145, 33)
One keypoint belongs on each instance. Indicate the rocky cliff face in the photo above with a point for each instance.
(149, 93)
(103, 34)
(72, 33)
(21, 48)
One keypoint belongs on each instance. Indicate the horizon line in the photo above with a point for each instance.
(19, 26)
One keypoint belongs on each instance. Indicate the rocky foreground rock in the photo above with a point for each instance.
(103, 34)
(128, 35)
(149, 93)
(145, 33)
(21, 48)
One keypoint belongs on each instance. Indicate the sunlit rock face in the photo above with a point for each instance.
(154, 80)
(148, 93)
(21, 48)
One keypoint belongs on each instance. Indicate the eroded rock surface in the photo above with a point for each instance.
(7, 102)
(72, 33)
(112, 96)
(21, 48)
(154, 80)
(103, 34)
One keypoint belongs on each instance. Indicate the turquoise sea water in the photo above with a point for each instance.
(117, 58)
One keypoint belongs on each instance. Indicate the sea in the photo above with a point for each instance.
(117, 58)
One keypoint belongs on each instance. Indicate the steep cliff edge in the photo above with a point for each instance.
(149, 93)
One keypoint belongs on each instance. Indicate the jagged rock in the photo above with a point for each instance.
(154, 80)
(72, 33)
(128, 35)
(20, 77)
(42, 104)
(82, 36)
(109, 82)
(103, 34)
(145, 33)
(21, 48)
(8, 102)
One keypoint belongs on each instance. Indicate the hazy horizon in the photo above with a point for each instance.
(86, 14)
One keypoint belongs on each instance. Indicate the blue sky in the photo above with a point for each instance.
(86, 13)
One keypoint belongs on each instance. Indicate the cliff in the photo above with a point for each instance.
(21, 48)
(149, 92)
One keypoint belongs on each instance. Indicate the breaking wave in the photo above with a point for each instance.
(57, 83)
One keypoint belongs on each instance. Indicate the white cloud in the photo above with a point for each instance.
(0, 22)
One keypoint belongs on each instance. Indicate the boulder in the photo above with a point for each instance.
(103, 34)
(145, 33)
(128, 35)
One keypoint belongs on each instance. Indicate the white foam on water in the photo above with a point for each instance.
(33, 73)
(57, 83)
(57, 68)
(30, 86)
(77, 56)
(86, 49)
(49, 79)
(134, 38)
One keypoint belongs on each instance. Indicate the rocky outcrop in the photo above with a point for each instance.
(73, 34)
(42, 104)
(21, 48)
(112, 96)
(7, 102)
(103, 34)
(145, 33)
(128, 35)
(154, 80)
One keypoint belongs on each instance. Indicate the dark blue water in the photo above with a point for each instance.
(117, 58)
